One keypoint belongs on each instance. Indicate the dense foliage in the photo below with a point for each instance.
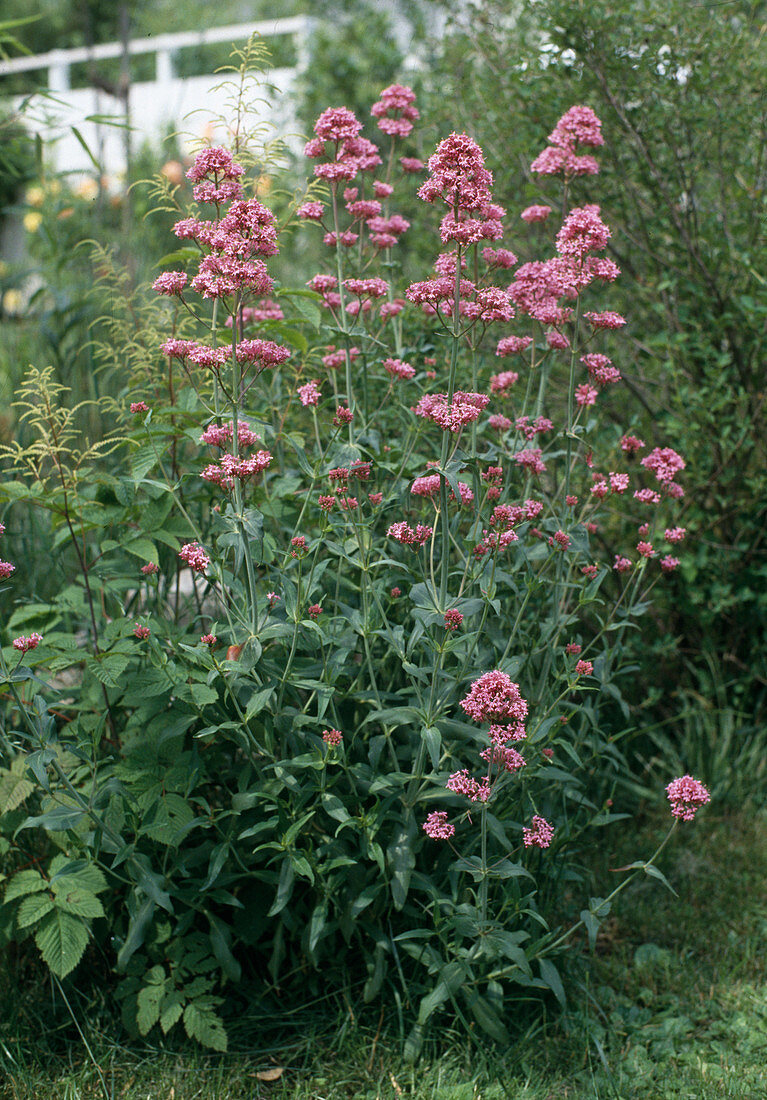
(679, 88)
(326, 683)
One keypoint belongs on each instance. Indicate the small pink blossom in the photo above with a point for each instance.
(621, 564)
(540, 835)
(24, 644)
(395, 593)
(669, 564)
(584, 668)
(208, 639)
(315, 611)
(453, 619)
(150, 568)
(139, 407)
(495, 697)
(645, 549)
(309, 393)
(686, 796)
(141, 632)
(6, 568)
(535, 214)
(631, 444)
(573, 649)
(437, 825)
(675, 534)
(194, 556)
(343, 416)
(332, 737)
(585, 395)
(170, 282)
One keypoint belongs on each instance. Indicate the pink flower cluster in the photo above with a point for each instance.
(539, 835)
(463, 409)
(25, 643)
(686, 796)
(194, 556)
(332, 737)
(437, 826)
(230, 469)
(395, 111)
(401, 532)
(494, 697)
(578, 126)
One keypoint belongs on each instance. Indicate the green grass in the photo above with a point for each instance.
(676, 1009)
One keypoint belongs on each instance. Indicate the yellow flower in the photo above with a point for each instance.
(35, 196)
(13, 300)
(33, 219)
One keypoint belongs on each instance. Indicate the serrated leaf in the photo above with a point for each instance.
(172, 1007)
(14, 786)
(80, 902)
(62, 939)
(148, 1006)
(33, 909)
(76, 872)
(25, 882)
(203, 1024)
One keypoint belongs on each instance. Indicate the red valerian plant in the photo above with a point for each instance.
(420, 569)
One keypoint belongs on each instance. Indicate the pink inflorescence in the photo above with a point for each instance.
(686, 796)
(141, 632)
(150, 568)
(6, 568)
(332, 737)
(453, 619)
(494, 697)
(437, 826)
(583, 668)
(309, 393)
(540, 835)
(194, 556)
(578, 126)
(464, 409)
(24, 644)
(139, 407)
(208, 639)
(465, 784)
(401, 532)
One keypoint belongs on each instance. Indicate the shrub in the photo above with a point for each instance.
(333, 679)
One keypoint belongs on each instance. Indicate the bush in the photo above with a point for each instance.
(336, 698)
(679, 89)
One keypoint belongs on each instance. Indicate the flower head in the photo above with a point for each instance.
(437, 826)
(24, 644)
(539, 835)
(495, 697)
(686, 796)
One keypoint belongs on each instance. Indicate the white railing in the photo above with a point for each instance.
(58, 63)
(61, 112)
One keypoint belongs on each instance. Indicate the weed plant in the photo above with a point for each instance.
(330, 690)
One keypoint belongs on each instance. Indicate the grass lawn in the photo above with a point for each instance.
(678, 1010)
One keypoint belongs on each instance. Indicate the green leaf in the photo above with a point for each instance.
(551, 977)
(62, 939)
(14, 786)
(149, 999)
(401, 860)
(203, 1024)
(488, 1019)
(144, 549)
(284, 889)
(33, 909)
(653, 871)
(432, 738)
(220, 941)
(172, 1007)
(25, 882)
(80, 902)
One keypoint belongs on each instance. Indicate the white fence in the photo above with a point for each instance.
(154, 107)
